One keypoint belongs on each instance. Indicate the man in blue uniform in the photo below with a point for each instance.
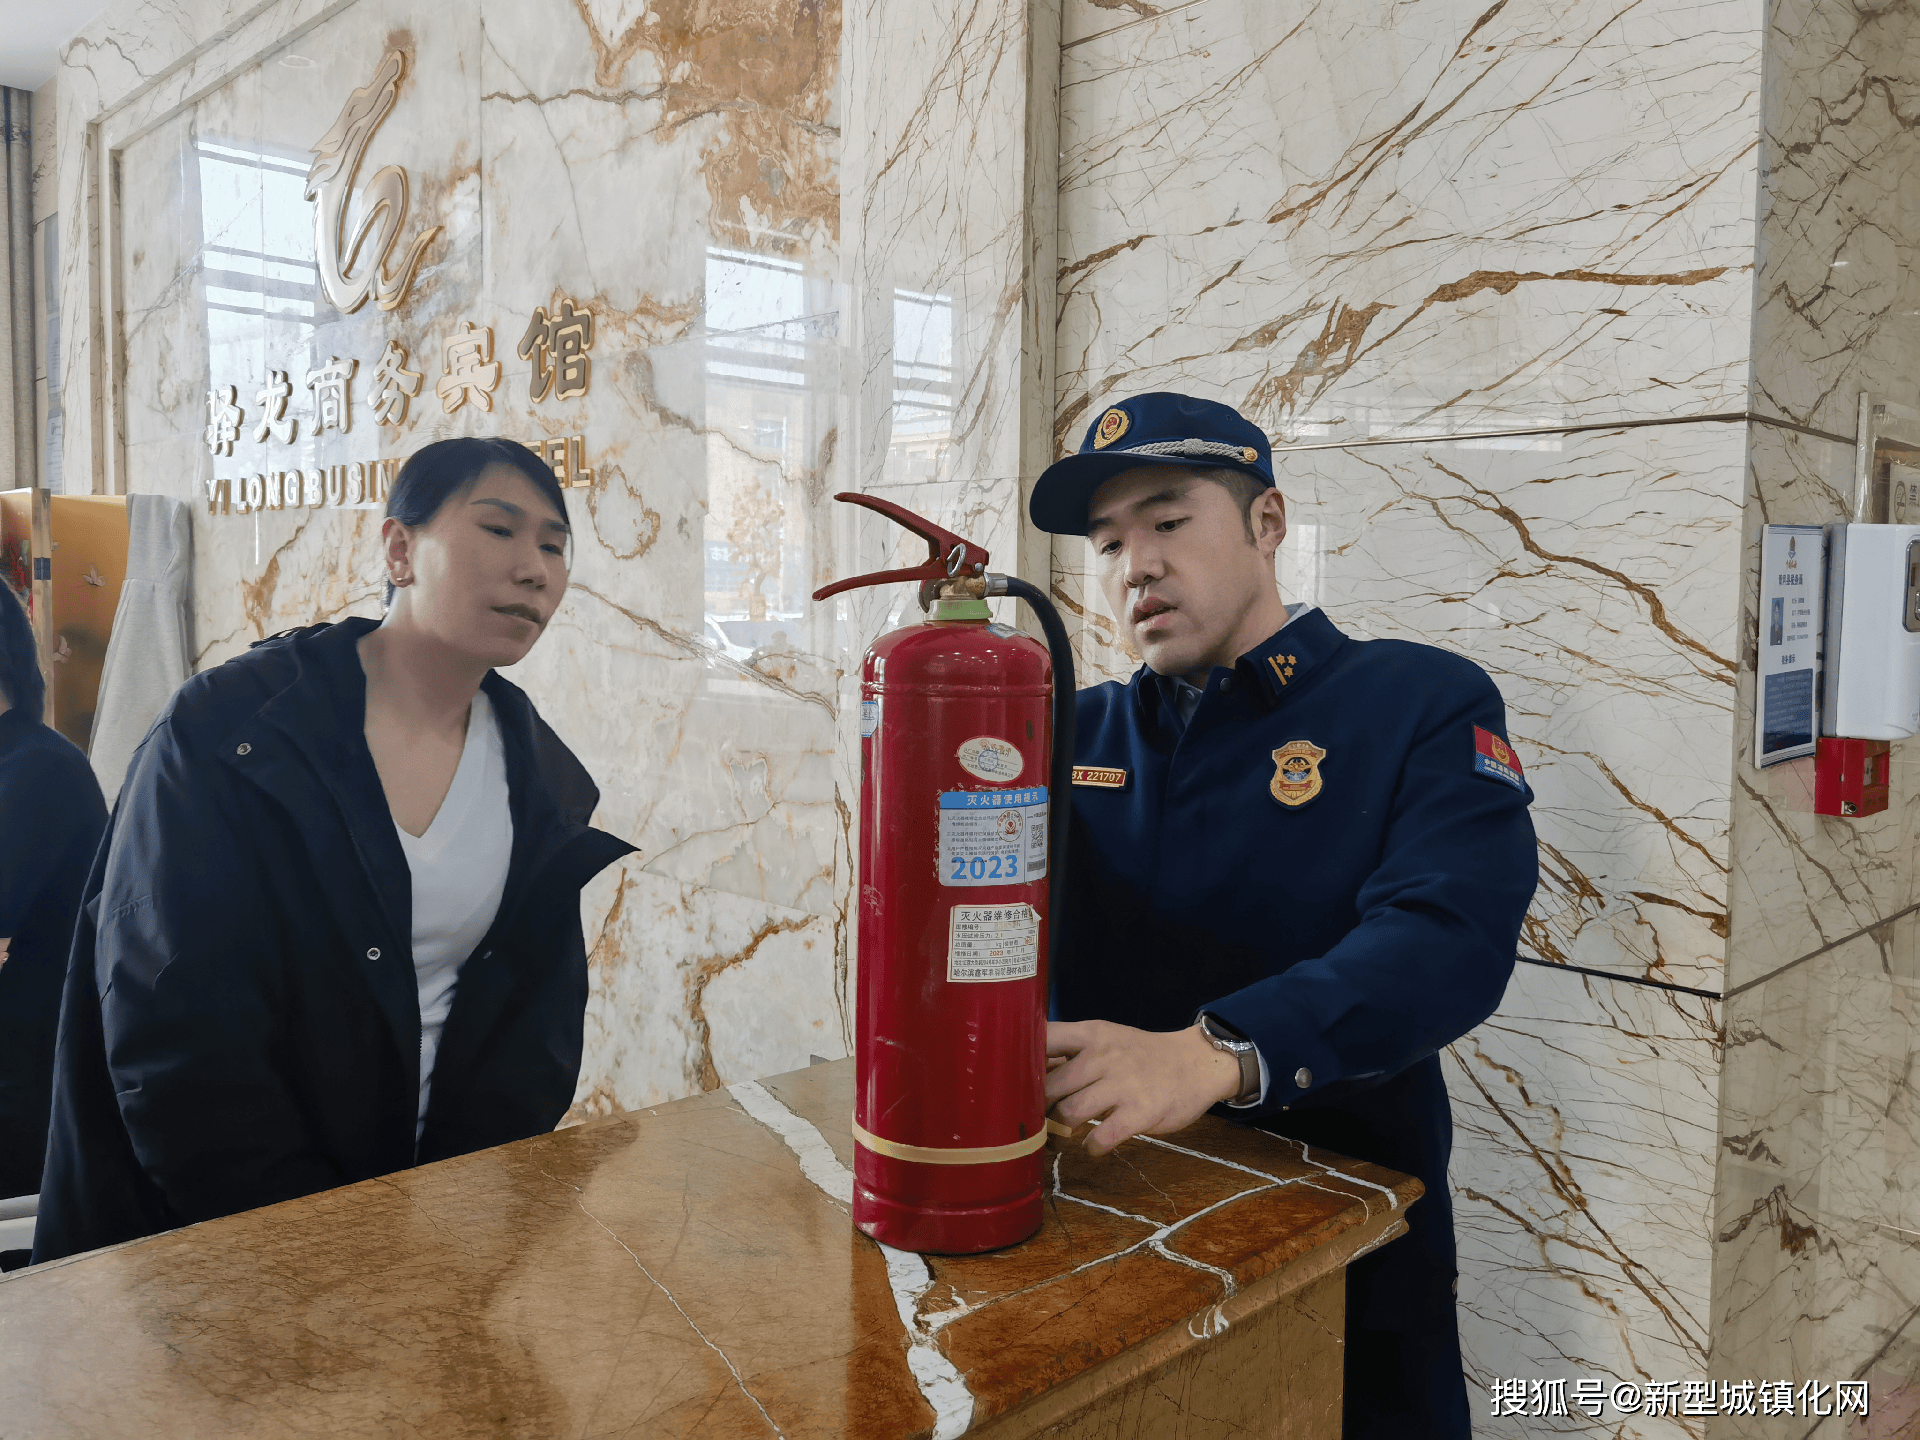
(1299, 866)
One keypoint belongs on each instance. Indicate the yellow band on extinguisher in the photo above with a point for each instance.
(946, 1155)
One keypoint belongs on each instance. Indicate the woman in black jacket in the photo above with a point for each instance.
(277, 986)
(51, 816)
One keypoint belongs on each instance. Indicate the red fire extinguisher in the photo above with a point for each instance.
(964, 773)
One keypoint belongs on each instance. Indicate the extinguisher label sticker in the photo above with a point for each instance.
(869, 718)
(991, 758)
(993, 942)
(993, 837)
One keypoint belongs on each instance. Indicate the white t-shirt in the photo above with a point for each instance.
(459, 872)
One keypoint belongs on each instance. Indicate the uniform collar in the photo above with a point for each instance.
(1282, 662)
(1277, 665)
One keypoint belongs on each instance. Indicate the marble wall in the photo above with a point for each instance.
(785, 305)
(674, 170)
(1547, 307)
(1813, 1229)
(1483, 276)
(1409, 219)
(48, 419)
(1836, 292)
(1813, 1232)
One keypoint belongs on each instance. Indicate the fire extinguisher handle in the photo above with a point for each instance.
(949, 555)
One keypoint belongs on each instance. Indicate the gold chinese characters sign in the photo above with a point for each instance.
(468, 369)
(555, 345)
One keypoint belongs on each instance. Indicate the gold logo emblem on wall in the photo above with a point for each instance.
(1296, 772)
(1112, 426)
(383, 202)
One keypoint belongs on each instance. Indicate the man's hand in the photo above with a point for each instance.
(1135, 1082)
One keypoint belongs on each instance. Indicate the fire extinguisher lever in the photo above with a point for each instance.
(952, 558)
(949, 556)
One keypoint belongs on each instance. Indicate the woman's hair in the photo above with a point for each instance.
(446, 469)
(20, 683)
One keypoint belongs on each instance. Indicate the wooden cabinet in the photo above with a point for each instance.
(68, 555)
(691, 1270)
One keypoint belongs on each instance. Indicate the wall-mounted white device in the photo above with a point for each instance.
(1872, 689)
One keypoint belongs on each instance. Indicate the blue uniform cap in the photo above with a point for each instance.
(1160, 428)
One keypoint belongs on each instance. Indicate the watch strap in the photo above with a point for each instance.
(1225, 1038)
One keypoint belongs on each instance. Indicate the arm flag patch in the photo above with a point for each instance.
(1493, 756)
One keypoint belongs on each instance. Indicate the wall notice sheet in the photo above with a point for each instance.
(993, 942)
(1792, 603)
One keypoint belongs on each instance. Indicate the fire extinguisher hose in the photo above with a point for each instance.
(1060, 775)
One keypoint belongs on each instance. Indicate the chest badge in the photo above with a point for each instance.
(1296, 773)
(1100, 777)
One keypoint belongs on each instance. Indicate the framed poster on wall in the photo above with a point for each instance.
(1786, 680)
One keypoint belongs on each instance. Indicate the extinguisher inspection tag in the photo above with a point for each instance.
(869, 718)
(993, 942)
(993, 837)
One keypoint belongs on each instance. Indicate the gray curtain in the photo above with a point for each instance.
(150, 653)
(16, 279)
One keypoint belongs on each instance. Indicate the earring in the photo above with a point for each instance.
(401, 578)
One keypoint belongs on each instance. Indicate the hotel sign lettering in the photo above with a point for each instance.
(366, 482)
(556, 351)
(356, 484)
(556, 343)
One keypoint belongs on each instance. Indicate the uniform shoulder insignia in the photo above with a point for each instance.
(1493, 756)
(1296, 773)
(1100, 777)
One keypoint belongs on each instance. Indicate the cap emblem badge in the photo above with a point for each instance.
(1112, 426)
(1296, 773)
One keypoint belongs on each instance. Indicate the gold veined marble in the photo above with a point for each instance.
(1489, 236)
(693, 1270)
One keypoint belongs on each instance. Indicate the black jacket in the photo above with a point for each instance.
(51, 816)
(241, 1019)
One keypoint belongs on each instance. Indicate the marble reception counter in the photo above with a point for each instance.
(691, 1270)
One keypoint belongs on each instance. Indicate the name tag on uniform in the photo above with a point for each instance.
(1099, 777)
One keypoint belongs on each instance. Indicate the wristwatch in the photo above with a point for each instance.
(1225, 1038)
